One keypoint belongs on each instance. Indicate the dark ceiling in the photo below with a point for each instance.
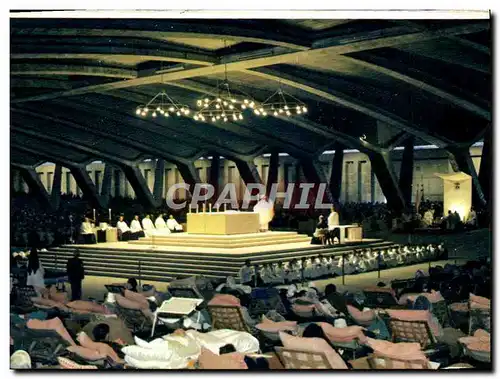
(75, 84)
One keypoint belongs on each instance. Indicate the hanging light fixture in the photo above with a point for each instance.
(222, 104)
(162, 105)
(282, 104)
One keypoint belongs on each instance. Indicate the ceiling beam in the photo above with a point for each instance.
(381, 67)
(473, 45)
(122, 140)
(39, 83)
(62, 69)
(276, 57)
(344, 100)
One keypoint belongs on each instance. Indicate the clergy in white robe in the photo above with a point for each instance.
(161, 226)
(333, 230)
(428, 218)
(246, 274)
(87, 232)
(173, 225)
(148, 227)
(266, 274)
(136, 229)
(123, 229)
(265, 209)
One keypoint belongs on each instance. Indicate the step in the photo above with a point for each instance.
(224, 245)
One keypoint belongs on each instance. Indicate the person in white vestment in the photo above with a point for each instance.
(87, 231)
(161, 226)
(472, 219)
(173, 225)
(123, 229)
(333, 230)
(428, 219)
(36, 272)
(265, 209)
(136, 229)
(246, 274)
(148, 227)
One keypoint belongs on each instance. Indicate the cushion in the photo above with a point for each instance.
(68, 364)
(86, 353)
(314, 345)
(415, 315)
(380, 289)
(459, 307)
(210, 361)
(60, 297)
(137, 297)
(47, 303)
(306, 310)
(224, 299)
(361, 317)
(347, 334)
(433, 296)
(408, 351)
(129, 304)
(243, 342)
(479, 302)
(89, 306)
(271, 326)
(159, 353)
(152, 365)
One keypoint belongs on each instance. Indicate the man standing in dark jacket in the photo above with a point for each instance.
(76, 273)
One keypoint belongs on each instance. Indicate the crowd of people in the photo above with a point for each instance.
(291, 313)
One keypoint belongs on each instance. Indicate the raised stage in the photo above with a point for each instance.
(183, 255)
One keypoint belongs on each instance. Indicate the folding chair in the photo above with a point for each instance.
(441, 311)
(265, 300)
(22, 296)
(134, 319)
(229, 317)
(381, 299)
(302, 360)
(412, 331)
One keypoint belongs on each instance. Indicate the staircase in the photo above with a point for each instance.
(149, 264)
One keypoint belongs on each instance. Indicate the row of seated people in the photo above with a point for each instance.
(321, 267)
(136, 230)
(291, 322)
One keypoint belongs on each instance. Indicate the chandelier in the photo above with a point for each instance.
(281, 103)
(162, 105)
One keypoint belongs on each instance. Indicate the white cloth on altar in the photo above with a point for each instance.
(122, 225)
(135, 226)
(172, 224)
(265, 209)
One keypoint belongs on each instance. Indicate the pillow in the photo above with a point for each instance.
(361, 317)
(224, 299)
(137, 297)
(459, 307)
(243, 342)
(89, 306)
(159, 353)
(380, 289)
(346, 334)
(479, 302)
(271, 326)
(47, 303)
(86, 353)
(407, 351)
(68, 364)
(434, 296)
(304, 310)
(314, 345)
(129, 304)
(60, 297)
(210, 361)
(151, 365)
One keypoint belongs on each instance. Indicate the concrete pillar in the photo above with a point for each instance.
(106, 183)
(406, 170)
(56, 186)
(382, 167)
(314, 173)
(159, 180)
(462, 161)
(272, 175)
(35, 185)
(485, 168)
(87, 186)
(215, 174)
(141, 189)
(336, 173)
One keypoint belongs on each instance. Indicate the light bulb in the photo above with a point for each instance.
(243, 106)
(225, 103)
(252, 104)
(299, 111)
(245, 101)
(162, 111)
(154, 114)
(288, 113)
(219, 100)
(233, 101)
(256, 111)
(240, 116)
(206, 105)
(223, 114)
(186, 111)
(146, 109)
(166, 114)
(195, 117)
(213, 119)
(158, 109)
(218, 117)
(275, 113)
(138, 111)
(217, 106)
(286, 107)
(231, 107)
(234, 117)
(178, 113)
(281, 110)
(298, 107)
(143, 114)
(202, 118)
(171, 109)
(262, 109)
(264, 113)
(304, 109)
(206, 100)
(198, 103)
(225, 119)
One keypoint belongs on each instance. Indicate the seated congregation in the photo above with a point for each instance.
(440, 320)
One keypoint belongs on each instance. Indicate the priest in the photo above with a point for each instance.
(147, 226)
(173, 225)
(161, 226)
(87, 231)
(333, 229)
(136, 229)
(265, 209)
(123, 230)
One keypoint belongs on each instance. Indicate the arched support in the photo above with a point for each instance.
(272, 175)
(138, 183)
(314, 174)
(35, 185)
(88, 188)
(106, 182)
(159, 180)
(215, 174)
(55, 196)
(336, 174)
(406, 170)
(189, 174)
(485, 169)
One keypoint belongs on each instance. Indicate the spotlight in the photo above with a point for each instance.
(206, 100)
(213, 119)
(240, 116)
(206, 105)
(243, 106)
(178, 113)
(217, 106)
(196, 117)
(154, 114)
(275, 113)
(304, 109)
(158, 109)
(171, 109)
(138, 111)
(199, 103)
